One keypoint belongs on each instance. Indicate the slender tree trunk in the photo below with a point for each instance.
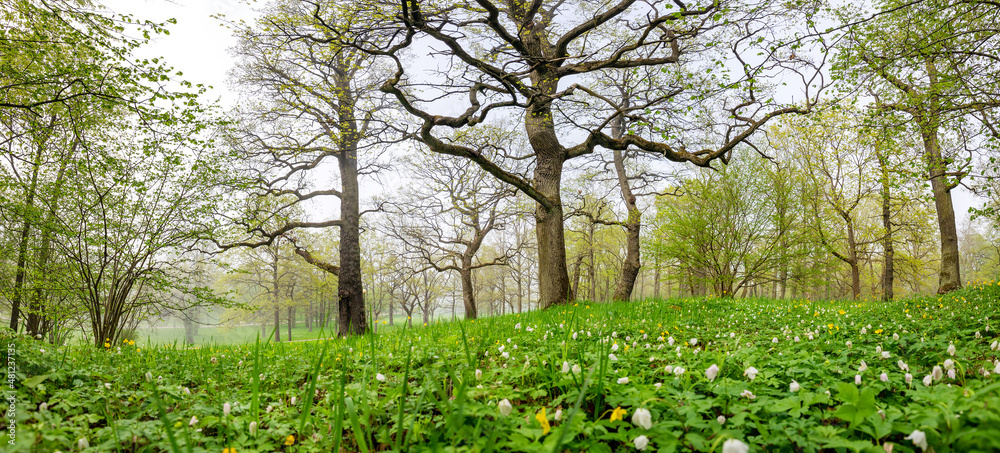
(22, 247)
(37, 315)
(888, 271)
(853, 261)
(656, 282)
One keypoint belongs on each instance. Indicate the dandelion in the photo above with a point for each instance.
(641, 442)
(290, 440)
(229, 450)
(623, 380)
(544, 421)
(618, 413)
(642, 418)
(751, 373)
(735, 446)
(794, 386)
(505, 407)
(711, 373)
(919, 438)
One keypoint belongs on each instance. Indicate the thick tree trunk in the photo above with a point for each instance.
(468, 292)
(950, 276)
(553, 277)
(352, 302)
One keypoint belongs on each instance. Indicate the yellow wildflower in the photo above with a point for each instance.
(540, 416)
(289, 440)
(229, 450)
(618, 413)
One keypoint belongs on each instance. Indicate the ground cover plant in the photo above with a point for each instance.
(702, 374)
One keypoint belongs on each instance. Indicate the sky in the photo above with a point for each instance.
(198, 45)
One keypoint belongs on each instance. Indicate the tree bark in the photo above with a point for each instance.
(22, 247)
(888, 268)
(468, 292)
(949, 278)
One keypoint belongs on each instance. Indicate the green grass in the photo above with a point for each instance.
(439, 388)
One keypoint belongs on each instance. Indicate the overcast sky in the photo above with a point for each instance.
(198, 45)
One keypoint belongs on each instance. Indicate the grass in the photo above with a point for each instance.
(440, 387)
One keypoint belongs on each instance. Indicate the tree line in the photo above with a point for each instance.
(524, 155)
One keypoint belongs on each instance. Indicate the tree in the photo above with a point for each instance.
(723, 227)
(528, 59)
(444, 222)
(309, 104)
(934, 63)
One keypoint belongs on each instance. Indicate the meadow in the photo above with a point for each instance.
(709, 374)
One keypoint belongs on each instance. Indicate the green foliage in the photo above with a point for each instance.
(438, 387)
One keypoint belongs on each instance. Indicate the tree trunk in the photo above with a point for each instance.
(888, 273)
(853, 261)
(950, 276)
(553, 277)
(352, 302)
(468, 292)
(277, 324)
(22, 247)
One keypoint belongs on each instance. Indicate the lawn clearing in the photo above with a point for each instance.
(675, 375)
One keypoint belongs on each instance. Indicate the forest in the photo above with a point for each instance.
(513, 225)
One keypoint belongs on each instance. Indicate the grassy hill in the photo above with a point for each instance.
(791, 376)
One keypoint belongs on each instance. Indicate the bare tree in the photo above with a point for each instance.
(445, 222)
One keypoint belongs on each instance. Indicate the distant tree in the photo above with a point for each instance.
(444, 221)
